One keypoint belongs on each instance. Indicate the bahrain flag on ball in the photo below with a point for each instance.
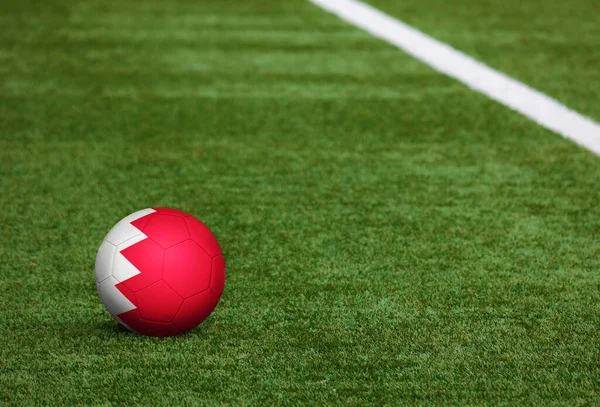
(160, 272)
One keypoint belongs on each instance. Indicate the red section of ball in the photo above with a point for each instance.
(130, 317)
(187, 268)
(217, 276)
(195, 310)
(141, 222)
(172, 212)
(203, 236)
(166, 230)
(147, 257)
(158, 302)
(130, 295)
(182, 274)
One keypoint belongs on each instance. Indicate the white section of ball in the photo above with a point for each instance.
(112, 267)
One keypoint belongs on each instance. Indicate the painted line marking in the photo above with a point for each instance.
(531, 103)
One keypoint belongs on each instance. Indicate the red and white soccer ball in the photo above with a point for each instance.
(160, 272)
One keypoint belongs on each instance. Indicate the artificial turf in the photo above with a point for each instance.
(550, 45)
(391, 237)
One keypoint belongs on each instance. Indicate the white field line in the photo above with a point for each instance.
(531, 103)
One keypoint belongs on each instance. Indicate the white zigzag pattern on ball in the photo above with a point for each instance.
(112, 267)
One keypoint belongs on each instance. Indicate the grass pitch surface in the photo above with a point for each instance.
(551, 45)
(391, 237)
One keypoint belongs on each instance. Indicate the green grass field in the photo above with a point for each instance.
(391, 237)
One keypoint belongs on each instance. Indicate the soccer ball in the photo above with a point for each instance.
(160, 272)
